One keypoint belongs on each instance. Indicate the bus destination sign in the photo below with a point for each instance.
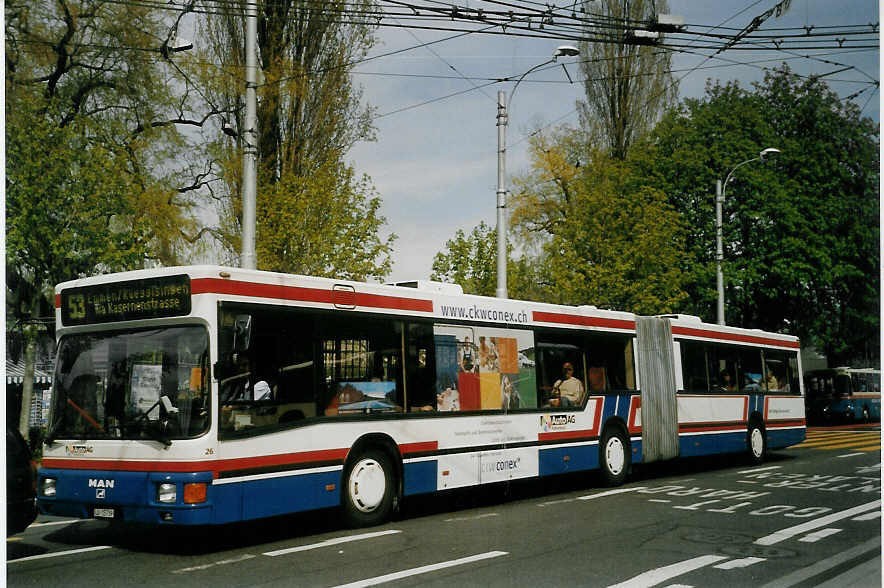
(126, 301)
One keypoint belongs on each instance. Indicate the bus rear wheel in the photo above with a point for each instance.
(757, 443)
(369, 489)
(614, 456)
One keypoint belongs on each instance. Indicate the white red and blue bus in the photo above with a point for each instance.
(843, 395)
(208, 395)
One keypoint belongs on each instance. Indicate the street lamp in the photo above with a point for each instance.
(719, 248)
(502, 121)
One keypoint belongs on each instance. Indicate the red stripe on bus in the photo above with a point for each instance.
(280, 292)
(406, 448)
(742, 338)
(301, 457)
(585, 321)
(786, 423)
(558, 435)
(126, 465)
(635, 403)
(214, 466)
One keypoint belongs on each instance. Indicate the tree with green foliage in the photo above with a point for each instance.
(324, 224)
(470, 261)
(627, 86)
(309, 115)
(92, 164)
(801, 228)
(606, 237)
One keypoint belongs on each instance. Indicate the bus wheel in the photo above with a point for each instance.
(757, 442)
(614, 456)
(369, 489)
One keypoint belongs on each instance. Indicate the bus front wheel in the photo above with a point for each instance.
(369, 489)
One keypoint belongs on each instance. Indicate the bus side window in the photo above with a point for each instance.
(693, 366)
(751, 373)
(561, 375)
(362, 366)
(420, 367)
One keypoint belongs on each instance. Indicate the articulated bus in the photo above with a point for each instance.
(208, 395)
(843, 394)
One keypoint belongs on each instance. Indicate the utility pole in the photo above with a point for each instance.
(248, 257)
(501, 194)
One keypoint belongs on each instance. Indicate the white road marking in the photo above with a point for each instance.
(552, 502)
(659, 575)
(851, 454)
(422, 570)
(222, 562)
(764, 469)
(475, 518)
(58, 553)
(821, 534)
(740, 563)
(611, 493)
(790, 532)
(658, 500)
(799, 576)
(330, 542)
(869, 516)
(50, 523)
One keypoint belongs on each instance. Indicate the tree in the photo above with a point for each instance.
(309, 115)
(325, 224)
(801, 228)
(92, 116)
(606, 238)
(470, 261)
(627, 86)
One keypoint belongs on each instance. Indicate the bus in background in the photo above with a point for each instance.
(208, 395)
(843, 395)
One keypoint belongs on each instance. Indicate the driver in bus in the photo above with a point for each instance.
(240, 386)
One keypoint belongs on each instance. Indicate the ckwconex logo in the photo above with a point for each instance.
(550, 422)
(78, 449)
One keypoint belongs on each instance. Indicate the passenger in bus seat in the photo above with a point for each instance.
(771, 381)
(726, 384)
(568, 391)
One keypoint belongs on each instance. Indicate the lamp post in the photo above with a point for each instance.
(719, 247)
(502, 121)
(248, 257)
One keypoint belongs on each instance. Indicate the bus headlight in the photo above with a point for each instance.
(166, 493)
(47, 487)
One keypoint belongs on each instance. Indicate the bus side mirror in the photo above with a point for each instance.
(242, 332)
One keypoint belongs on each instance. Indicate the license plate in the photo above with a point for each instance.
(103, 513)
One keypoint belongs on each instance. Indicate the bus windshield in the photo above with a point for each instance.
(134, 384)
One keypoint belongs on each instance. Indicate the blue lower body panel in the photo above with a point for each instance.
(267, 497)
(419, 477)
(779, 438)
(562, 460)
(131, 496)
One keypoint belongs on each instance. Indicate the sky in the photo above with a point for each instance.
(435, 164)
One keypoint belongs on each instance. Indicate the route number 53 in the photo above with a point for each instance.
(76, 307)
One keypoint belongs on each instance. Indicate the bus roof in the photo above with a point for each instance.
(434, 300)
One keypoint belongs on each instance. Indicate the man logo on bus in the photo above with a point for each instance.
(99, 483)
